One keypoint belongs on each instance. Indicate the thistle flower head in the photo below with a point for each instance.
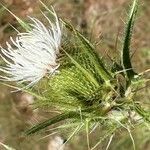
(33, 54)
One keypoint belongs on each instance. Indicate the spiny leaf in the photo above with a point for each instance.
(125, 57)
(51, 121)
(61, 117)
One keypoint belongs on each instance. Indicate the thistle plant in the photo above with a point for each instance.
(73, 78)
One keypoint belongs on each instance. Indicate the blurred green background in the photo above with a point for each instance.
(102, 21)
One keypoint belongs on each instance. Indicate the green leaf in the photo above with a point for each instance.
(125, 56)
(51, 121)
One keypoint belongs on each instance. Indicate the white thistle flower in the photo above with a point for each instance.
(33, 54)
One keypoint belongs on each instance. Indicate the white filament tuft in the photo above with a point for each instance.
(33, 53)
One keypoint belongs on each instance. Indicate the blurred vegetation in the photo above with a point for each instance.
(100, 20)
